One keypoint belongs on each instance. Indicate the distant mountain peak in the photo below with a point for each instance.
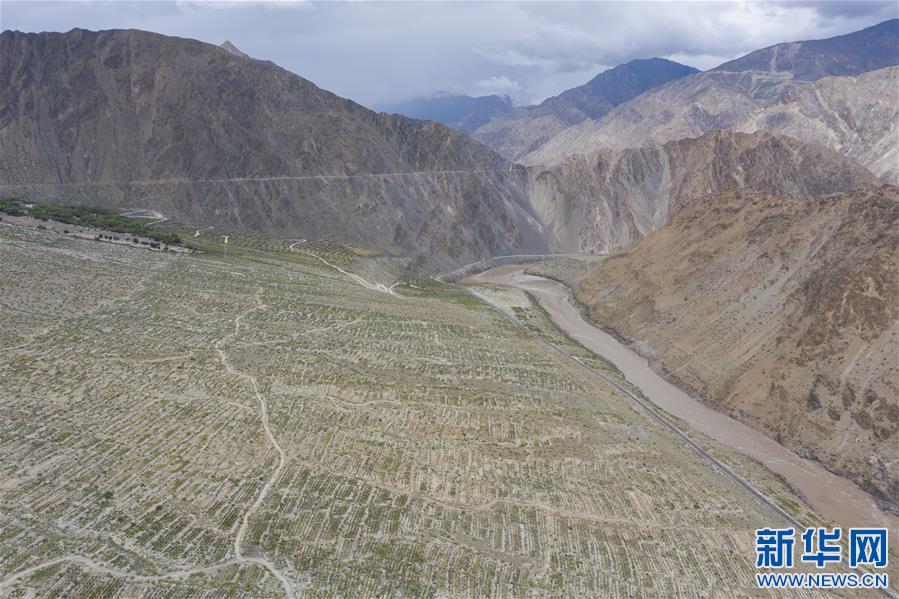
(621, 83)
(839, 91)
(645, 64)
(461, 112)
(522, 130)
(868, 49)
(233, 49)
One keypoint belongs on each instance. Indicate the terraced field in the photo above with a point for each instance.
(290, 422)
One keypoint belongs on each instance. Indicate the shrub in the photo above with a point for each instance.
(90, 216)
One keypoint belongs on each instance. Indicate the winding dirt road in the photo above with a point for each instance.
(276, 474)
(373, 286)
(239, 557)
(96, 567)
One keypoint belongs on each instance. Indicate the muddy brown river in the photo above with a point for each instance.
(834, 497)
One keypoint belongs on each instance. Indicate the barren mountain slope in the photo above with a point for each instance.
(858, 52)
(138, 114)
(524, 129)
(610, 199)
(856, 116)
(787, 88)
(780, 312)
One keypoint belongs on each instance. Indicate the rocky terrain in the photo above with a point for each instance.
(855, 114)
(102, 118)
(271, 424)
(779, 311)
(260, 415)
(524, 129)
(464, 113)
(206, 135)
(610, 199)
(858, 52)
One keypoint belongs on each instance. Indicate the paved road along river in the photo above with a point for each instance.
(836, 498)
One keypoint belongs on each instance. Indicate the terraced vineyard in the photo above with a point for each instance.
(289, 422)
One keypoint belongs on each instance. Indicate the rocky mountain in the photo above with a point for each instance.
(866, 50)
(135, 119)
(210, 136)
(227, 45)
(610, 199)
(855, 115)
(463, 113)
(524, 129)
(780, 311)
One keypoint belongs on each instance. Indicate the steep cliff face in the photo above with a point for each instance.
(780, 311)
(524, 129)
(129, 118)
(611, 199)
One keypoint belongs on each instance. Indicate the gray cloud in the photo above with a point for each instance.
(381, 52)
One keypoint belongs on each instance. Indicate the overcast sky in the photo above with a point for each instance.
(381, 52)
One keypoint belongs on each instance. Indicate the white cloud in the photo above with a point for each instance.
(498, 84)
(512, 58)
(381, 52)
(200, 5)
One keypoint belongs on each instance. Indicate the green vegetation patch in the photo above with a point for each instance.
(88, 216)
